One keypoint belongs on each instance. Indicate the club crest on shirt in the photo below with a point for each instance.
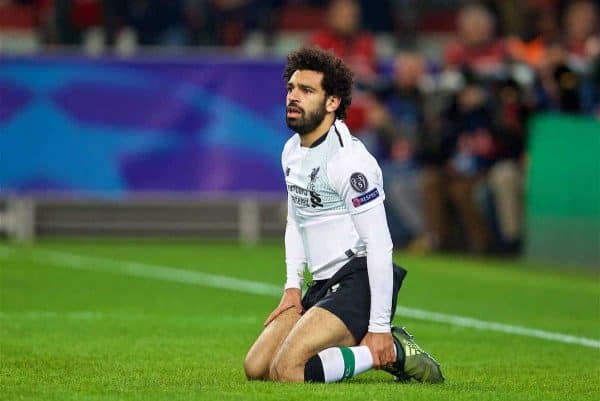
(315, 198)
(313, 174)
(306, 197)
(359, 182)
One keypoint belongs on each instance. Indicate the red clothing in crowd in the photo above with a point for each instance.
(484, 59)
(357, 51)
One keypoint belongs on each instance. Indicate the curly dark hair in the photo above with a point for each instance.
(337, 77)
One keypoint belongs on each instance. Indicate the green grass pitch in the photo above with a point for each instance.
(84, 333)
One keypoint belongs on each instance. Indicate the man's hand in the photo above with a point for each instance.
(291, 299)
(381, 346)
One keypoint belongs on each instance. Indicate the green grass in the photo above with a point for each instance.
(80, 335)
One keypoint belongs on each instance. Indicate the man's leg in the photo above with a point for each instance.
(506, 182)
(261, 354)
(322, 345)
(313, 345)
(461, 192)
(435, 209)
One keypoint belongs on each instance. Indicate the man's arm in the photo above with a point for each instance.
(372, 228)
(357, 178)
(295, 260)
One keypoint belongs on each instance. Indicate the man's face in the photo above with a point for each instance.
(305, 101)
(344, 17)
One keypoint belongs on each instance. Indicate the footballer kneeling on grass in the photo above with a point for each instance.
(336, 225)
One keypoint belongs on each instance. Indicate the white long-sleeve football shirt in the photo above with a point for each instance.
(335, 212)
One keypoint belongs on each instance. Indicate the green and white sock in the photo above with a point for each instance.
(345, 362)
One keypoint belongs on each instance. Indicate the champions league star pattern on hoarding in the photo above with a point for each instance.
(113, 126)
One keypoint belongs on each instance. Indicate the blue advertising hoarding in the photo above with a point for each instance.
(116, 126)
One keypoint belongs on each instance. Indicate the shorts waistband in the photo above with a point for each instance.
(357, 263)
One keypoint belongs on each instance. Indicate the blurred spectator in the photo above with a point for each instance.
(451, 179)
(398, 119)
(75, 17)
(227, 22)
(514, 16)
(301, 15)
(345, 37)
(403, 100)
(542, 33)
(511, 16)
(505, 176)
(476, 47)
(201, 26)
(415, 18)
(558, 86)
(229, 18)
(564, 73)
(25, 24)
(580, 30)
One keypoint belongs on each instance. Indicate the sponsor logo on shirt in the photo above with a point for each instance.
(303, 197)
(365, 198)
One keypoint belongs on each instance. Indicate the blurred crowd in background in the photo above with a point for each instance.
(444, 89)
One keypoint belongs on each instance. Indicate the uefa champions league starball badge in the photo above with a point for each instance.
(359, 182)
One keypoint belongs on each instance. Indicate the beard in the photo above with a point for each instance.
(307, 122)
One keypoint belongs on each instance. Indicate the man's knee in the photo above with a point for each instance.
(256, 368)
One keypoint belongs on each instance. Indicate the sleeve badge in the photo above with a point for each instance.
(359, 182)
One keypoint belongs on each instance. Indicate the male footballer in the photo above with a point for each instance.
(336, 225)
